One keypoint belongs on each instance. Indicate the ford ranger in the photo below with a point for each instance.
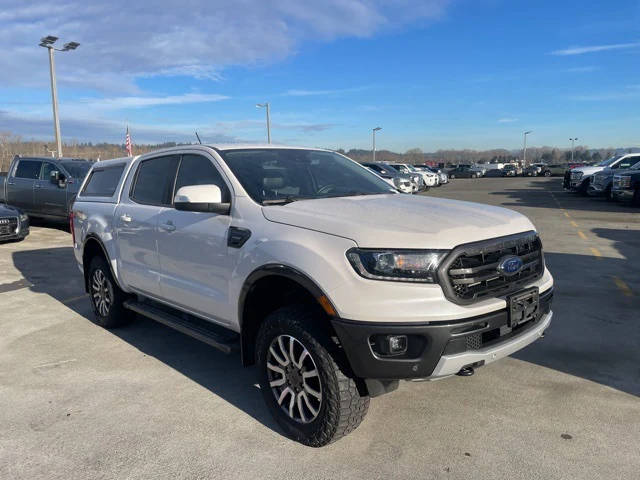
(319, 272)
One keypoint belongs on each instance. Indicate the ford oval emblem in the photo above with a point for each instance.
(510, 265)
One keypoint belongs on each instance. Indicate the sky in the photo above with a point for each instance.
(434, 74)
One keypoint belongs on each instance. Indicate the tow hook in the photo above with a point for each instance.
(466, 371)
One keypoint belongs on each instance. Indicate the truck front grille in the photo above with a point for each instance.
(470, 273)
(8, 226)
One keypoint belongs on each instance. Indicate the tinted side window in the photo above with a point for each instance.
(28, 169)
(47, 168)
(154, 180)
(103, 182)
(198, 170)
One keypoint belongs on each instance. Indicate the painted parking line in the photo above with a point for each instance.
(596, 252)
(573, 224)
(624, 288)
(582, 235)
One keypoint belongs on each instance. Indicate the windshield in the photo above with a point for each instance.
(608, 161)
(272, 176)
(77, 169)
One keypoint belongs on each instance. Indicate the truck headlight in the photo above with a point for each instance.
(23, 217)
(397, 265)
(397, 181)
(625, 181)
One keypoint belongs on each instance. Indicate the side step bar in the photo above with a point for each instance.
(224, 340)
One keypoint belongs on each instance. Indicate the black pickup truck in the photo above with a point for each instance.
(43, 187)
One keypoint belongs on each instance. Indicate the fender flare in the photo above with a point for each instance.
(94, 237)
(278, 270)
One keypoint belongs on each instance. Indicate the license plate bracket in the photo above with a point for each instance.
(523, 306)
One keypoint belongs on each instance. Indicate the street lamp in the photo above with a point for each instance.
(47, 42)
(374, 141)
(524, 153)
(266, 105)
(572, 146)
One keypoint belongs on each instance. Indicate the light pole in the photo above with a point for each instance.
(374, 141)
(47, 42)
(572, 146)
(524, 154)
(266, 105)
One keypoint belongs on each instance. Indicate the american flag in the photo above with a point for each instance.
(127, 143)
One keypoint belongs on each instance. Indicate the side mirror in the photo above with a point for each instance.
(54, 176)
(201, 198)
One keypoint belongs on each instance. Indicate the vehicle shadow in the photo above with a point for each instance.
(595, 331)
(221, 374)
(537, 193)
(56, 224)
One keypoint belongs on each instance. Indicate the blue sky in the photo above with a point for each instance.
(434, 74)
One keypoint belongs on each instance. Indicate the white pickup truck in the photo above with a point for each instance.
(333, 283)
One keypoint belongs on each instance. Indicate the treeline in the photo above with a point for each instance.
(534, 154)
(12, 145)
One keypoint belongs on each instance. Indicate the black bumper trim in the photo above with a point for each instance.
(430, 339)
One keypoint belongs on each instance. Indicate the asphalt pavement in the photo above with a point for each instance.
(142, 402)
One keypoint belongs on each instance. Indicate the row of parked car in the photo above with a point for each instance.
(507, 170)
(617, 178)
(408, 178)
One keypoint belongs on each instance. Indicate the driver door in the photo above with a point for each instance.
(50, 198)
(195, 262)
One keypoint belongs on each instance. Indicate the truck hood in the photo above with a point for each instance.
(8, 211)
(587, 170)
(400, 221)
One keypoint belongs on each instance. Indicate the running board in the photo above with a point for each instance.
(221, 338)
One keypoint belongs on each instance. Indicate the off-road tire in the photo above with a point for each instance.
(547, 173)
(116, 314)
(342, 408)
(584, 186)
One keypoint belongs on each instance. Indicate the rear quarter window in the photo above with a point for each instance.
(103, 182)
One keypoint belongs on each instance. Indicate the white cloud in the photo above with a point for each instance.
(308, 93)
(122, 40)
(595, 48)
(118, 103)
(507, 120)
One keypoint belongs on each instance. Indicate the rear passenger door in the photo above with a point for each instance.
(136, 222)
(21, 182)
(195, 261)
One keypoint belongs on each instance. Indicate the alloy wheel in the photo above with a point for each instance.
(101, 292)
(294, 379)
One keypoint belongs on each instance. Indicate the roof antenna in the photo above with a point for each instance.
(198, 137)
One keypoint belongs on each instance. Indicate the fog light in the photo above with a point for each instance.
(397, 344)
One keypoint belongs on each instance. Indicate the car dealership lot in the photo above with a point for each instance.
(147, 402)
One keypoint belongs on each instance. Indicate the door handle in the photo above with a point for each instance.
(125, 218)
(169, 226)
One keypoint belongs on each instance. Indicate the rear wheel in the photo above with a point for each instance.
(303, 379)
(106, 297)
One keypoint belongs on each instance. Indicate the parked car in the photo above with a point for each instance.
(307, 263)
(392, 177)
(509, 170)
(626, 186)
(14, 223)
(43, 187)
(494, 172)
(534, 170)
(429, 178)
(443, 178)
(464, 171)
(416, 179)
(580, 177)
(557, 169)
(601, 182)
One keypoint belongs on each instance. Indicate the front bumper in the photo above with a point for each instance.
(438, 349)
(622, 195)
(21, 231)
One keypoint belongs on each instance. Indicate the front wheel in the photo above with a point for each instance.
(636, 197)
(547, 173)
(303, 379)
